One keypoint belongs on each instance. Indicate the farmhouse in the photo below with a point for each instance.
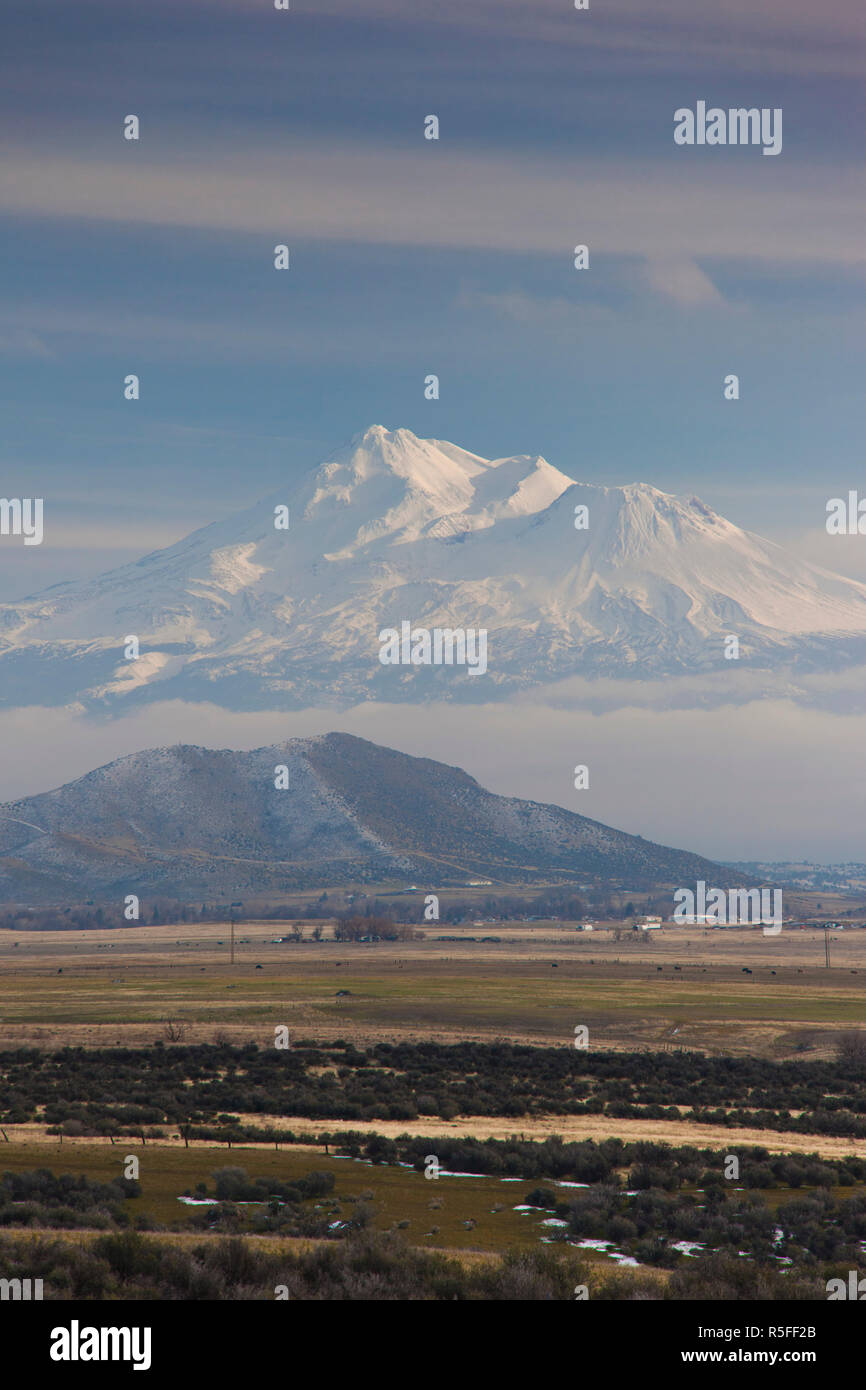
(648, 924)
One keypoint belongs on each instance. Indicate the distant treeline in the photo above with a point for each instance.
(94, 915)
(563, 904)
(558, 903)
(373, 928)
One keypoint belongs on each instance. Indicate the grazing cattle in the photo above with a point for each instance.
(746, 970)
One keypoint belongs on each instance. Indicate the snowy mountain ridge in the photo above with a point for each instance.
(202, 823)
(567, 578)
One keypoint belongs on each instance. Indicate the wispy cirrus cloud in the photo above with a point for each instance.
(18, 341)
(683, 281)
(372, 193)
(789, 35)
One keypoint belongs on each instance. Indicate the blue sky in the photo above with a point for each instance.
(411, 256)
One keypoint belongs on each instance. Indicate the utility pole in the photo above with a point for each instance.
(827, 947)
(233, 919)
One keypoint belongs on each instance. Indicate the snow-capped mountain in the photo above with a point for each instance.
(566, 578)
(202, 822)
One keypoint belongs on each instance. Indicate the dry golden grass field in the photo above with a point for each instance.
(686, 987)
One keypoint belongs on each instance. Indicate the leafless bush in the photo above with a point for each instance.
(851, 1046)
